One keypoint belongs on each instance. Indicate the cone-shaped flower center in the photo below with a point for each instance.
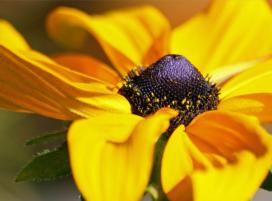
(170, 82)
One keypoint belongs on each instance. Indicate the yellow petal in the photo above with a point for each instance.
(176, 162)
(256, 79)
(126, 35)
(224, 73)
(33, 82)
(259, 105)
(112, 155)
(158, 49)
(88, 66)
(229, 32)
(10, 37)
(224, 156)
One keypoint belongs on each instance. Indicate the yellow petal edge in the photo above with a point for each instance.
(112, 155)
(222, 156)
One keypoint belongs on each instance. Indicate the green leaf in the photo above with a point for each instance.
(267, 184)
(46, 166)
(48, 137)
(66, 124)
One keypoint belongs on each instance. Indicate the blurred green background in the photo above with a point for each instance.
(29, 17)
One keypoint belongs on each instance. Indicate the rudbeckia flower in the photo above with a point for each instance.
(217, 149)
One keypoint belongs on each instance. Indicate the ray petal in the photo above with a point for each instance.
(34, 82)
(222, 156)
(229, 32)
(259, 105)
(10, 37)
(89, 66)
(126, 35)
(112, 155)
(256, 79)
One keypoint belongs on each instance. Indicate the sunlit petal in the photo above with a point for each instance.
(10, 37)
(158, 48)
(223, 156)
(126, 35)
(222, 74)
(112, 155)
(259, 105)
(88, 66)
(256, 79)
(229, 32)
(35, 83)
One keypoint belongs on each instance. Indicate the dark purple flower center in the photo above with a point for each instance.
(170, 82)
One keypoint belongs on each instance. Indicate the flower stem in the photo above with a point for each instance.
(155, 187)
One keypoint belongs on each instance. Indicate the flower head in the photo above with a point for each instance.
(216, 143)
(170, 82)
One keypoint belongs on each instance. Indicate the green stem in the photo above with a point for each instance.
(155, 186)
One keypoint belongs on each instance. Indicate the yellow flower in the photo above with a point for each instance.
(222, 154)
